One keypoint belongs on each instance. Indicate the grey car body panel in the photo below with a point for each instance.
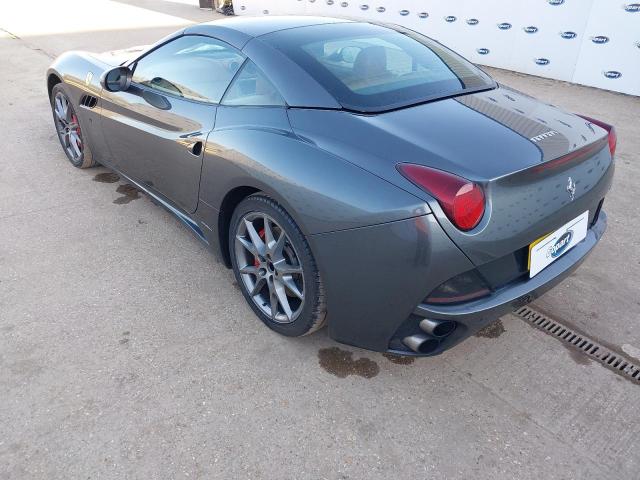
(155, 146)
(237, 31)
(80, 74)
(119, 57)
(423, 135)
(555, 132)
(381, 243)
(234, 38)
(371, 285)
(482, 146)
(296, 174)
(475, 315)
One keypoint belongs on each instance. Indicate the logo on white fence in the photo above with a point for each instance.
(483, 51)
(530, 29)
(612, 74)
(568, 35)
(504, 26)
(632, 7)
(542, 61)
(600, 39)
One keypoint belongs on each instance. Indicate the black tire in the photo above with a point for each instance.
(312, 312)
(85, 158)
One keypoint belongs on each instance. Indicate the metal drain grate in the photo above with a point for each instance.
(591, 348)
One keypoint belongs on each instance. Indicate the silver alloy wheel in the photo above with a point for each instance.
(68, 127)
(269, 267)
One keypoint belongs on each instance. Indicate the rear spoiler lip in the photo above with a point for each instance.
(574, 157)
(566, 161)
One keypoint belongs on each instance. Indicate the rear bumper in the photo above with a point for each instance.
(473, 316)
(376, 279)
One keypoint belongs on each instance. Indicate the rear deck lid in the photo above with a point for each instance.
(553, 131)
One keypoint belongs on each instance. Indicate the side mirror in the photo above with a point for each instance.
(117, 79)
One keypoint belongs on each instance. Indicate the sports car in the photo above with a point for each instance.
(352, 174)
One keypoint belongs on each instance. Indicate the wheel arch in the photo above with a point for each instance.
(53, 79)
(233, 198)
(229, 203)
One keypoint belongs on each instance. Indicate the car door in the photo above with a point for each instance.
(157, 129)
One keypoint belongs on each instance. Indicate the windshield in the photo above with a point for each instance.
(371, 68)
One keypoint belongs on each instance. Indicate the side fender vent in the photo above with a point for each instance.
(88, 101)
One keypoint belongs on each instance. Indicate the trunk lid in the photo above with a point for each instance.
(553, 131)
(572, 176)
(521, 151)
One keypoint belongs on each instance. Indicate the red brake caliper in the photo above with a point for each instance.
(256, 263)
(74, 119)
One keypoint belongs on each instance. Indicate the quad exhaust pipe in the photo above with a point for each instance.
(421, 343)
(434, 331)
(437, 328)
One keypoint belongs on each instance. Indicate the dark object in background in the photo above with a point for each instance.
(224, 6)
(206, 3)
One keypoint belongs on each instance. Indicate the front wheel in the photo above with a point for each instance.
(69, 131)
(275, 269)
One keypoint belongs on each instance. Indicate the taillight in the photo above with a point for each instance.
(461, 200)
(613, 136)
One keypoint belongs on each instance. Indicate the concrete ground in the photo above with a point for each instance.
(126, 351)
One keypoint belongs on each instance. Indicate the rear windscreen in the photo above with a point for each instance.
(372, 68)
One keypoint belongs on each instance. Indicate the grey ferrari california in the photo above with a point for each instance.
(351, 174)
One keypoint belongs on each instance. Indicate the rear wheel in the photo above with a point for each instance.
(69, 130)
(275, 269)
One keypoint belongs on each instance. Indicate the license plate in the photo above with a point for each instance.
(549, 248)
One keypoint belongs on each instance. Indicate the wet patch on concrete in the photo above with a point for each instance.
(493, 330)
(107, 177)
(129, 193)
(577, 356)
(340, 363)
(399, 360)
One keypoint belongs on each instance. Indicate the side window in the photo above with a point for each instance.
(252, 88)
(192, 67)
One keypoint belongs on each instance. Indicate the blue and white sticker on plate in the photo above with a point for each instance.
(549, 248)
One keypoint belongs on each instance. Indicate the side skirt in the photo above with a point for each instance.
(181, 215)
